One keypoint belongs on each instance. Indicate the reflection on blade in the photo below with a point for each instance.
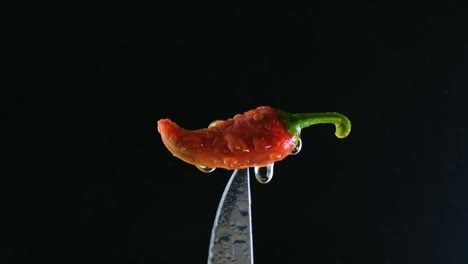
(231, 238)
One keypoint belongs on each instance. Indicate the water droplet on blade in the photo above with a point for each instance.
(297, 148)
(264, 174)
(205, 169)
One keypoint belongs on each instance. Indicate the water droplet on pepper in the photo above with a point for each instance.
(297, 148)
(205, 169)
(264, 174)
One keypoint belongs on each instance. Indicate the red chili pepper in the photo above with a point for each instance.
(256, 138)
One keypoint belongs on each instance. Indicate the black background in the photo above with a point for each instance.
(91, 180)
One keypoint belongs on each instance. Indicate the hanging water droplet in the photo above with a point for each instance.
(264, 174)
(297, 148)
(205, 169)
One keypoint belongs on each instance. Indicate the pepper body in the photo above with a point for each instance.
(256, 138)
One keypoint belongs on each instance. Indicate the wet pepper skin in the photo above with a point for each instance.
(256, 138)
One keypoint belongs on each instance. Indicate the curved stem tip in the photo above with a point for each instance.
(295, 122)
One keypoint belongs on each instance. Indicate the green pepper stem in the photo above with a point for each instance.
(295, 122)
